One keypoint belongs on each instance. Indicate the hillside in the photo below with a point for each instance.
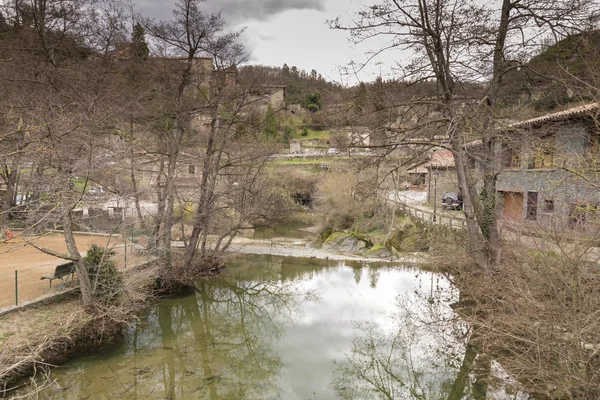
(563, 74)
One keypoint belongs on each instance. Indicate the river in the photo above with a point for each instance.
(276, 327)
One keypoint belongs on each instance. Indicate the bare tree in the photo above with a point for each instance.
(455, 44)
(62, 113)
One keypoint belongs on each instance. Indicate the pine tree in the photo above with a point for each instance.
(140, 47)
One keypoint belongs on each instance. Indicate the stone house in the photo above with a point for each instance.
(550, 169)
(441, 175)
(295, 146)
(267, 96)
(359, 135)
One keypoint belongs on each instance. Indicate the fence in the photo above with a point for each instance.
(24, 285)
(429, 216)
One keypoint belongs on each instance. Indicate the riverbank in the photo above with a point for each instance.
(301, 248)
(49, 334)
(52, 332)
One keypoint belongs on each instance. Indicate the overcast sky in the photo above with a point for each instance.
(290, 31)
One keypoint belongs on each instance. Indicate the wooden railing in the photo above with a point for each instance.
(429, 216)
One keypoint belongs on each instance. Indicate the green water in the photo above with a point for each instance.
(285, 328)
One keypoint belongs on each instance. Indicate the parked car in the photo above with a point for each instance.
(452, 201)
(333, 151)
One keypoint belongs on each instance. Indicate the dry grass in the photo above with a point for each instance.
(32, 338)
(537, 313)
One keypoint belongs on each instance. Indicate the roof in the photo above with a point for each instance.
(417, 170)
(441, 159)
(557, 116)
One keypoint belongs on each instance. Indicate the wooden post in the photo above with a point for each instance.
(16, 287)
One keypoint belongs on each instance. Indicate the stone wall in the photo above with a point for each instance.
(558, 191)
(446, 182)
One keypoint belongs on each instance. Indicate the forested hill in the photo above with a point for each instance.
(562, 74)
(301, 86)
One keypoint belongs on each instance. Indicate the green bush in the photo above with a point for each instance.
(312, 107)
(304, 132)
(106, 280)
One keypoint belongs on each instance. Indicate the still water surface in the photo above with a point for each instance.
(283, 328)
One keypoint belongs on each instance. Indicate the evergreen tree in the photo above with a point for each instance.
(271, 123)
(362, 97)
(140, 47)
(313, 101)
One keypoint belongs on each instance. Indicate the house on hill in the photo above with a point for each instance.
(267, 96)
(550, 169)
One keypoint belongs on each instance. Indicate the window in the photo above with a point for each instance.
(192, 169)
(511, 156)
(594, 141)
(594, 148)
(532, 198)
(548, 206)
(580, 214)
(542, 158)
(543, 154)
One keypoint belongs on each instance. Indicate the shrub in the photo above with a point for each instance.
(106, 280)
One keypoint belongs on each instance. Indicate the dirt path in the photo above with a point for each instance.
(32, 264)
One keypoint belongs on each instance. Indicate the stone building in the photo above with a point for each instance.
(550, 169)
(295, 146)
(441, 175)
(267, 96)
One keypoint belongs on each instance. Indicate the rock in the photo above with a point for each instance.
(344, 242)
(409, 237)
(380, 252)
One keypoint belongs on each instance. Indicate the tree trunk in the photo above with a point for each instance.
(82, 273)
(200, 222)
(136, 194)
(9, 174)
(160, 212)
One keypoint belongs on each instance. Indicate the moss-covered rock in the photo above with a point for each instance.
(379, 251)
(347, 242)
(409, 236)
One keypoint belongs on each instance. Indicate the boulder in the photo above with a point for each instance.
(409, 237)
(344, 242)
(380, 252)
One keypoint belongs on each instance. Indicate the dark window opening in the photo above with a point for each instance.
(594, 141)
(417, 179)
(511, 157)
(532, 198)
(549, 205)
(576, 216)
(543, 155)
(580, 214)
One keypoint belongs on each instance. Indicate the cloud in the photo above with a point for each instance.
(235, 12)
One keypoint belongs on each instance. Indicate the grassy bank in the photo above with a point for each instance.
(50, 333)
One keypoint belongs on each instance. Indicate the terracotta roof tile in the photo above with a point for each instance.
(441, 159)
(571, 112)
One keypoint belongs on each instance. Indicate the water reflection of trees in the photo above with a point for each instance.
(214, 344)
(233, 323)
(426, 355)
